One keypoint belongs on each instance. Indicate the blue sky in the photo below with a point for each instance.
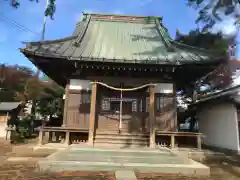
(175, 13)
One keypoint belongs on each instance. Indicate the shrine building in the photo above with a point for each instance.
(120, 74)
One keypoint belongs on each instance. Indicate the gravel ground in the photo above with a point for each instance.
(227, 169)
(222, 169)
(26, 170)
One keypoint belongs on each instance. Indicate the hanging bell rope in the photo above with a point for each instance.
(123, 89)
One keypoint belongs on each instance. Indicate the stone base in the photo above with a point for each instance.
(144, 161)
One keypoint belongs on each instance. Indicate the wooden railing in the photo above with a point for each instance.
(173, 136)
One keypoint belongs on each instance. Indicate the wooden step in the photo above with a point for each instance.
(119, 142)
(124, 138)
(116, 133)
(128, 137)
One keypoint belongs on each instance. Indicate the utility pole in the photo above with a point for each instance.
(44, 21)
(43, 30)
(33, 109)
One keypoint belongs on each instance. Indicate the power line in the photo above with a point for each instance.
(16, 24)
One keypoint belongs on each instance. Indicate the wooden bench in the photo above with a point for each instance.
(183, 134)
(67, 131)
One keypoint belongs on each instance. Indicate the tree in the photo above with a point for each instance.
(210, 41)
(221, 76)
(218, 79)
(51, 105)
(13, 80)
(20, 83)
(212, 11)
(50, 10)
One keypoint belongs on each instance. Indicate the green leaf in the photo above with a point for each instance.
(198, 2)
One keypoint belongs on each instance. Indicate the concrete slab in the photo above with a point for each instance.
(85, 147)
(125, 175)
(17, 159)
(91, 159)
(56, 146)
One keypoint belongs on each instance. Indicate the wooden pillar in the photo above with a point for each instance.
(145, 124)
(92, 114)
(175, 108)
(66, 105)
(199, 142)
(172, 141)
(40, 137)
(152, 117)
(50, 136)
(67, 138)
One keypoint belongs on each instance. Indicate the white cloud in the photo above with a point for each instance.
(226, 26)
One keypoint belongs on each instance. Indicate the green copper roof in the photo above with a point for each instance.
(127, 39)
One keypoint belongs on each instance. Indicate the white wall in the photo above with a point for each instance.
(219, 125)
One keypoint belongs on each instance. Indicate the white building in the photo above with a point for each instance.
(218, 117)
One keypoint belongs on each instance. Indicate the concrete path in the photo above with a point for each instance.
(125, 175)
(117, 160)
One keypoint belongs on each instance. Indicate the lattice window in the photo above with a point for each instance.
(140, 105)
(105, 106)
(85, 98)
(166, 103)
(147, 104)
(134, 106)
(158, 104)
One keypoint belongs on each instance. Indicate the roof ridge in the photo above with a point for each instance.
(162, 33)
(120, 15)
(121, 18)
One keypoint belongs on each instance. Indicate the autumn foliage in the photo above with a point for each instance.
(19, 83)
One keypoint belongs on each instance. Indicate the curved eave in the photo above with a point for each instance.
(125, 61)
(46, 42)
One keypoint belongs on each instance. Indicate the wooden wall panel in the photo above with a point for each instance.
(136, 120)
(78, 109)
(166, 114)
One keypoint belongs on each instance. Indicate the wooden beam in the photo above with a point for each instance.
(92, 114)
(152, 117)
(66, 105)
